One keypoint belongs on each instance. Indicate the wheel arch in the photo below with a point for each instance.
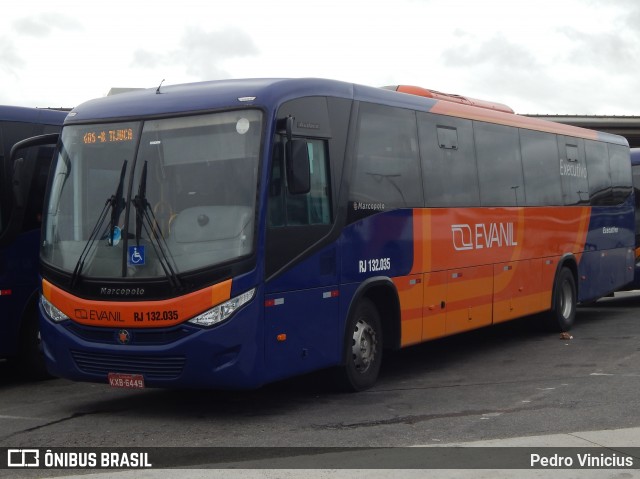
(570, 262)
(382, 292)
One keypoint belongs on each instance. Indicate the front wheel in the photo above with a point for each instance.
(565, 300)
(362, 348)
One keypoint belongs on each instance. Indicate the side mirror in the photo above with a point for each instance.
(21, 174)
(298, 171)
(21, 178)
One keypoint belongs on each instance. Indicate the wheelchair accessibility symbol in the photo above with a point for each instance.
(136, 255)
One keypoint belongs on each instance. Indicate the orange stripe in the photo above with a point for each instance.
(493, 116)
(474, 273)
(136, 314)
(410, 294)
(538, 232)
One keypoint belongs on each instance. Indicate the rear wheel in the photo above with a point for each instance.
(362, 348)
(565, 301)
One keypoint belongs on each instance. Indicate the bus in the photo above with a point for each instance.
(22, 188)
(233, 233)
(635, 171)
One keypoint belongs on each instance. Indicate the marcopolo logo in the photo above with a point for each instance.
(483, 235)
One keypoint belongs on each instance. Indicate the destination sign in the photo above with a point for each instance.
(108, 136)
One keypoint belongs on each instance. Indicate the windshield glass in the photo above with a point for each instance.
(154, 198)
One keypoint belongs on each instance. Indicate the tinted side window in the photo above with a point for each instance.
(540, 166)
(499, 165)
(449, 161)
(620, 172)
(4, 188)
(598, 172)
(387, 171)
(11, 133)
(312, 208)
(573, 171)
(35, 200)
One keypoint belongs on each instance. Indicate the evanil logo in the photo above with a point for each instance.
(482, 235)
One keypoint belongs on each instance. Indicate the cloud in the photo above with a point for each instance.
(44, 24)
(498, 69)
(10, 60)
(602, 50)
(497, 51)
(201, 53)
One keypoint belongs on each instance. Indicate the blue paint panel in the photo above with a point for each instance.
(309, 318)
(205, 96)
(32, 115)
(228, 356)
(319, 269)
(380, 245)
(19, 264)
(303, 303)
(608, 257)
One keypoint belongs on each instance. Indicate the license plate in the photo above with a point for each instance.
(122, 380)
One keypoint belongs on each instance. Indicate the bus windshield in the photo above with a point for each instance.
(153, 198)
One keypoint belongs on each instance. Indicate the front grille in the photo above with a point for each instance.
(139, 336)
(151, 367)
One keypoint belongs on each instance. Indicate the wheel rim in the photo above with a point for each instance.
(566, 299)
(364, 346)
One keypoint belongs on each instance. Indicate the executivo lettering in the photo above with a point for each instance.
(483, 235)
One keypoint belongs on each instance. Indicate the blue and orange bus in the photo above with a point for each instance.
(22, 188)
(232, 233)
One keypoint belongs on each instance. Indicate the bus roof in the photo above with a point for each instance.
(416, 90)
(211, 95)
(49, 116)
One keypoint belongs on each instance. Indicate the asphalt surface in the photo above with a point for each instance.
(513, 385)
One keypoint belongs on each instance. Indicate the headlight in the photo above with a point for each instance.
(54, 313)
(222, 311)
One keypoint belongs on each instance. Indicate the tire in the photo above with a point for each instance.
(362, 348)
(30, 360)
(565, 299)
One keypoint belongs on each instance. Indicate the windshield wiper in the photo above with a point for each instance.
(147, 220)
(116, 202)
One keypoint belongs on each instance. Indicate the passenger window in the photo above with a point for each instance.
(620, 173)
(387, 171)
(450, 172)
(35, 200)
(540, 168)
(499, 165)
(598, 173)
(573, 171)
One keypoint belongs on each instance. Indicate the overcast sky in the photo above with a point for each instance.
(537, 56)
